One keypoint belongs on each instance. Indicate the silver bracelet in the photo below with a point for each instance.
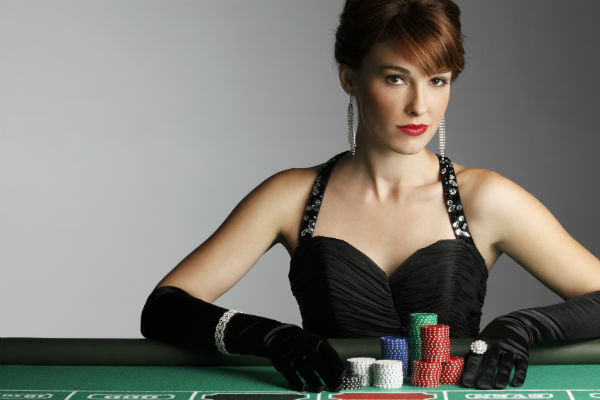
(220, 332)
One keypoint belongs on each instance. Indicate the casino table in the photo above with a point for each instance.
(139, 369)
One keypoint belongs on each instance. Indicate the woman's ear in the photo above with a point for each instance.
(347, 78)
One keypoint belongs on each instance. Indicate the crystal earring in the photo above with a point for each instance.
(442, 136)
(351, 131)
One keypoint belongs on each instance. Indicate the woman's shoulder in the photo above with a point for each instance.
(289, 191)
(489, 199)
(293, 181)
(480, 183)
(477, 186)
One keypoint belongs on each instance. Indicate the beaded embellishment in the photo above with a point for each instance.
(220, 332)
(451, 197)
(309, 220)
(453, 202)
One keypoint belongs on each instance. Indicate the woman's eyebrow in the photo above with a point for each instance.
(406, 71)
(395, 68)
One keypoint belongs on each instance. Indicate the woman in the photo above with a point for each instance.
(399, 230)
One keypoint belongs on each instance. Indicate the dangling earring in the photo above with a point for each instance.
(442, 135)
(351, 132)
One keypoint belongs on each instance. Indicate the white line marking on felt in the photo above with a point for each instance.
(193, 395)
(570, 395)
(71, 395)
(445, 395)
(319, 396)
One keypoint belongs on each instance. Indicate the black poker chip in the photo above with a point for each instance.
(351, 381)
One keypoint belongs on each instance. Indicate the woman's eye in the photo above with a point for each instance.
(395, 79)
(439, 82)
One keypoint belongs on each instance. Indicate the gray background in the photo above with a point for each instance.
(130, 129)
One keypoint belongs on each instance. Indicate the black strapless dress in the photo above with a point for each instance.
(342, 293)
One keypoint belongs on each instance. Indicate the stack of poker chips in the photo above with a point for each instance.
(416, 321)
(426, 374)
(436, 366)
(365, 371)
(451, 371)
(435, 343)
(395, 348)
(388, 374)
(361, 366)
(351, 381)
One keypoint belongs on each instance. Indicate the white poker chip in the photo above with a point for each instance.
(388, 374)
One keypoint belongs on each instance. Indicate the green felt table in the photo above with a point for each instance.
(132, 369)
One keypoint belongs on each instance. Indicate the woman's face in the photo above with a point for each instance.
(391, 92)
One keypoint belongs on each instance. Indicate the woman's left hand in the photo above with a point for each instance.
(508, 343)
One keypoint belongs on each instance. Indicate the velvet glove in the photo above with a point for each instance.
(509, 336)
(172, 315)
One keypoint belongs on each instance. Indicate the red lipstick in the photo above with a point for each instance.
(412, 129)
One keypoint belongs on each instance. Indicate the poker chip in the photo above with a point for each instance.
(352, 382)
(426, 374)
(452, 371)
(395, 348)
(361, 366)
(388, 374)
(435, 343)
(416, 321)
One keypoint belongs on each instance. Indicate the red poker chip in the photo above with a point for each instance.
(450, 382)
(434, 358)
(419, 384)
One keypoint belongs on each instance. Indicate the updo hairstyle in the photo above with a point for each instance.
(428, 32)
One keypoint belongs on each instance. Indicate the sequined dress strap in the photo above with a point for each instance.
(453, 202)
(309, 220)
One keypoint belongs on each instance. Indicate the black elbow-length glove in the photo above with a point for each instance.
(509, 336)
(172, 315)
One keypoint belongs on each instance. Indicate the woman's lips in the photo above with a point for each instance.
(412, 130)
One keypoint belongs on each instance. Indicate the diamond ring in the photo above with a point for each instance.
(479, 347)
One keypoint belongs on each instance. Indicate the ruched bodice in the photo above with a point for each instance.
(342, 292)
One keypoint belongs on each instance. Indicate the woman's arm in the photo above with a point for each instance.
(526, 230)
(252, 228)
(179, 310)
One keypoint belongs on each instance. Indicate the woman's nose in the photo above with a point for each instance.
(417, 104)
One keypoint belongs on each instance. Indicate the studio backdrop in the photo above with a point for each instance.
(131, 129)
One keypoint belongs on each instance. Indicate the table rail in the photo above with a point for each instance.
(87, 351)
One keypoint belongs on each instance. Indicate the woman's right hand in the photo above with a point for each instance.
(293, 351)
(174, 316)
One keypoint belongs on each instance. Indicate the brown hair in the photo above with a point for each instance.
(427, 31)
